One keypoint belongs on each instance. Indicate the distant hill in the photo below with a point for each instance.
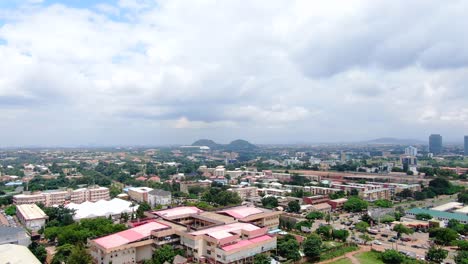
(206, 142)
(240, 144)
(395, 141)
(236, 145)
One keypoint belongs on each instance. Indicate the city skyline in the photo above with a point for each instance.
(142, 72)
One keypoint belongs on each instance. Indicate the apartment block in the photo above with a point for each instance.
(31, 216)
(139, 194)
(28, 199)
(246, 192)
(89, 194)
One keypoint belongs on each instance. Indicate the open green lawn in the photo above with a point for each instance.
(343, 261)
(368, 258)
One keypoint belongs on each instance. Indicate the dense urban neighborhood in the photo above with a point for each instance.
(236, 203)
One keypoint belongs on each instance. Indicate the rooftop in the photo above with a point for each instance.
(16, 254)
(178, 212)
(101, 208)
(242, 211)
(447, 206)
(129, 236)
(463, 210)
(244, 243)
(141, 189)
(224, 231)
(340, 200)
(439, 214)
(31, 211)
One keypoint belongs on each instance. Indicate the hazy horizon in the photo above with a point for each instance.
(147, 72)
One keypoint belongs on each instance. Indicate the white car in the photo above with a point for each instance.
(377, 242)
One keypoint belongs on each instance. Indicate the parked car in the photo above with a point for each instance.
(377, 242)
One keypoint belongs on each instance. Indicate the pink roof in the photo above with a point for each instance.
(141, 178)
(129, 236)
(154, 178)
(244, 243)
(242, 212)
(224, 231)
(178, 211)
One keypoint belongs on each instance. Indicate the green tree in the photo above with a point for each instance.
(262, 259)
(366, 238)
(443, 236)
(270, 202)
(436, 254)
(383, 203)
(39, 251)
(362, 226)
(312, 246)
(315, 215)
(340, 234)
(461, 257)
(62, 253)
(165, 253)
(294, 206)
(423, 216)
(288, 247)
(402, 229)
(325, 231)
(79, 255)
(391, 256)
(142, 208)
(355, 204)
(10, 210)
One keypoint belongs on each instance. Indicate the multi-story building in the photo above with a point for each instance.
(89, 194)
(28, 199)
(139, 194)
(376, 194)
(337, 204)
(317, 199)
(257, 216)
(435, 144)
(159, 197)
(206, 237)
(315, 190)
(220, 171)
(31, 216)
(55, 197)
(411, 151)
(246, 192)
(322, 207)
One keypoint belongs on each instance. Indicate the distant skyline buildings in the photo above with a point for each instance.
(435, 143)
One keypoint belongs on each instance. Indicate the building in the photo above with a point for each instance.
(31, 216)
(205, 237)
(139, 194)
(159, 197)
(102, 208)
(317, 199)
(246, 192)
(28, 199)
(411, 151)
(376, 194)
(14, 235)
(448, 207)
(55, 197)
(337, 204)
(322, 207)
(185, 186)
(439, 215)
(129, 246)
(17, 254)
(466, 145)
(91, 194)
(315, 190)
(435, 144)
(257, 216)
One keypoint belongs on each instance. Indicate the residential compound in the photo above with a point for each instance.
(58, 197)
(233, 235)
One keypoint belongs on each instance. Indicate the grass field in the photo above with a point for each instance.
(368, 258)
(343, 261)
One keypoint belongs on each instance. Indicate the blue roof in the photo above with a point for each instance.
(440, 214)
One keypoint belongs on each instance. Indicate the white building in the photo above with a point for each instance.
(411, 151)
(102, 208)
(159, 197)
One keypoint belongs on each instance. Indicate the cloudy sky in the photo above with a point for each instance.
(122, 72)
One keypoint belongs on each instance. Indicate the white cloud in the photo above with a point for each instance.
(220, 66)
